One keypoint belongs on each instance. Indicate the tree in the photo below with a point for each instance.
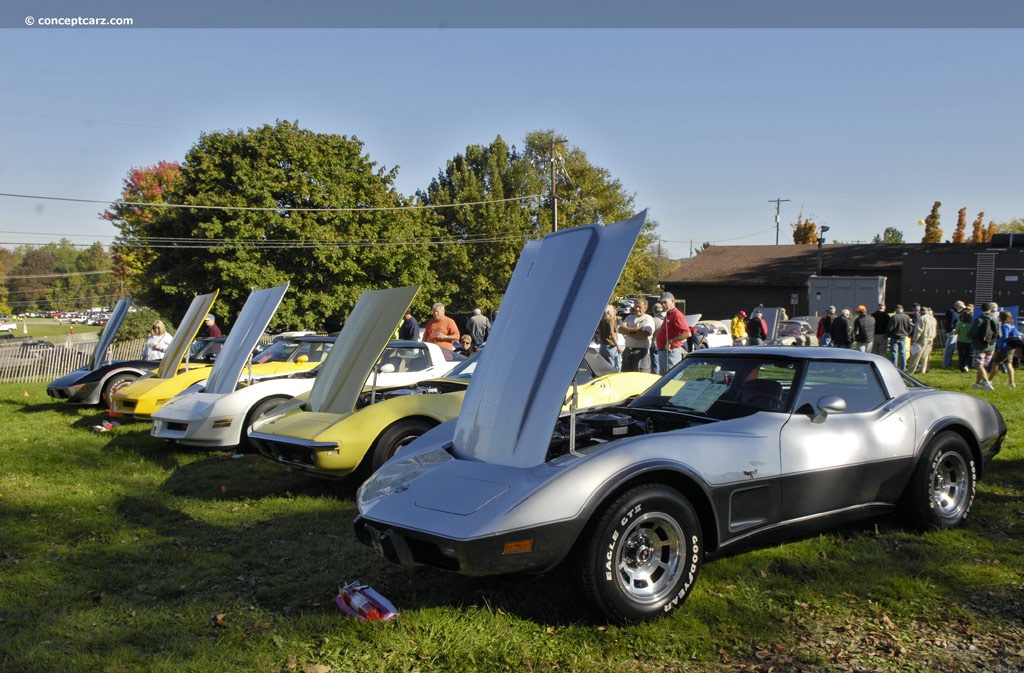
(8, 261)
(805, 232)
(142, 185)
(481, 240)
(1013, 226)
(991, 231)
(484, 239)
(932, 230)
(960, 233)
(589, 194)
(977, 232)
(890, 236)
(280, 203)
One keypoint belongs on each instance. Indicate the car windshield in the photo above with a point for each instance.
(724, 387)
(289, 350)
(464, 370)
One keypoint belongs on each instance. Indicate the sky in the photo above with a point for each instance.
(859, 129)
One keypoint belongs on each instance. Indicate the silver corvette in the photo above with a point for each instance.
(733, 446)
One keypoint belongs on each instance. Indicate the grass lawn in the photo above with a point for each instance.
(119, 552)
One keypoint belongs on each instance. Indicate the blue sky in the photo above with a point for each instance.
(861, 129)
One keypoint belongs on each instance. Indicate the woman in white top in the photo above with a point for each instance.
(157, 342)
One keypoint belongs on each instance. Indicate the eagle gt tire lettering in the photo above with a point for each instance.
(642, 555)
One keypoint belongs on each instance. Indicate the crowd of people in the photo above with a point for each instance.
(656, 341)
(988, 343)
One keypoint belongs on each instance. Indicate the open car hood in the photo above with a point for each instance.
(248, 328)
(340, 378)
(516, 394)
(99, 356)
(184, 335)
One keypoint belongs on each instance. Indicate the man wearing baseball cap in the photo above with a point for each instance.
(738, 329)
(671, 336)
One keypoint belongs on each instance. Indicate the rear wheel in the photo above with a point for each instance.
(395, 438)
(941, 492)
(642, 556)
(114, 384)
(258, 411)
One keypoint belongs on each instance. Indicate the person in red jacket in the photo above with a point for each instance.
(671, 336)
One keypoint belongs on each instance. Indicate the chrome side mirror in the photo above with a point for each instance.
(830, 404)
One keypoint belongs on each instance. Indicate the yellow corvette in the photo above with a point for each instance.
(382, 423)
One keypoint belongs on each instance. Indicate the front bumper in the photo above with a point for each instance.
(488, 555)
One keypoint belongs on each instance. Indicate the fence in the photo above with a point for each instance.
(26, 361)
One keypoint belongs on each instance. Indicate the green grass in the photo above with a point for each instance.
(119, 552)
(50, 330)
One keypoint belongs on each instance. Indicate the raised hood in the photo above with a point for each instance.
(186, 332)
(340, 378)
(99, 355)
(554, 301)
(248, 328)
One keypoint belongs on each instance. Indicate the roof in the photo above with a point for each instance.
(790, 264)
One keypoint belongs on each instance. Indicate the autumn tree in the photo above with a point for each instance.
(805, 232)
(932, 230)
(891, 235)
(280, 203)
(960, 233)
(991, 231)
(132, 219)
(977, 229)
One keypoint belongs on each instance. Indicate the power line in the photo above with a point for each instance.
(269, 209)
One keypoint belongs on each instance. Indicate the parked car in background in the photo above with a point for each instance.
(711, 334)
(796, 332)
(732, 447)
(7, 326)
(95, 382)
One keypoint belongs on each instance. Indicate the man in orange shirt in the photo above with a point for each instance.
(441, 329)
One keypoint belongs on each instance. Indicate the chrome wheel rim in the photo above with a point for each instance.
(649, 557)
(949, 484)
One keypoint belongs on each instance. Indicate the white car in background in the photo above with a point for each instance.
(712, 334)
(217, 414)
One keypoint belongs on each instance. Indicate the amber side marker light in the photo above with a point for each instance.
(517, 547)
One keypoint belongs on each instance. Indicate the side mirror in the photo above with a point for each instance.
(387, 369)
(830, 404)
(302, 359)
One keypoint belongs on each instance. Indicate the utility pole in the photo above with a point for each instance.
(554, 195)
(778, 203)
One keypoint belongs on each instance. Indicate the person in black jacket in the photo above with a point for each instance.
(864, 330)
(949, 323)
(881, 346)
(841, 330)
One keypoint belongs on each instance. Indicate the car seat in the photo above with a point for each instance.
(763, 394)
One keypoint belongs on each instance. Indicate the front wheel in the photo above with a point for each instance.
(642, 555)
(395, 438)
(942, 489)
(259, 411)
(113, 385)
